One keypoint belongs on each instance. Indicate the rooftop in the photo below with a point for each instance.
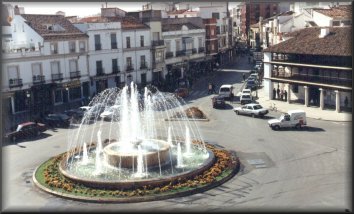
(128, 22)
(53, 27)
(342, 11)
(307, 41)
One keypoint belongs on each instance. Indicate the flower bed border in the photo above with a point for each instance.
(220, 177)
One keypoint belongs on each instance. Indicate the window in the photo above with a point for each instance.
(99, 69)
(113, 41)
(200, 42)
(54, 48)
(156, 36)
(159, 56)
(178, 45)
(12, 71)
(128, 42)
(212, 32)
(73, 65)
(168, 46)
(98, 42)
(115, 66)
(129, 62)
(141, 41)
(217, 29)
(55, 67)
(215, 15)
(75, 93)
(335, 23)
(142, 61)
(72, 47)
(82, 46)
(36, 69)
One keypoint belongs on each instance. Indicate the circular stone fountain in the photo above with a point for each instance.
(156, 152)
(149, 157)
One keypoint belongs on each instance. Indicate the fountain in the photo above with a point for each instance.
(141, 149)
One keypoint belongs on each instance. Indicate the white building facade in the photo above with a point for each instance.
(44, 64)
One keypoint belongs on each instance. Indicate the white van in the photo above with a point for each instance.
(226, 90)
(294, 118)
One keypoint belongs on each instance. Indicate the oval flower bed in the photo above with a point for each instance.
(48, 177)
(191, 113)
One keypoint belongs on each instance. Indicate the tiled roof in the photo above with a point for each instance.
(343, 11)
(38, 23)
(129, 22)
(307, 41)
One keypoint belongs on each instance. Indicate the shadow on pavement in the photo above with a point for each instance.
(8, 142)
(304, 129)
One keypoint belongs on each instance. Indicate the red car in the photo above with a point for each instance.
(27, 129)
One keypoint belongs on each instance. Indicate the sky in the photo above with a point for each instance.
(79, 9)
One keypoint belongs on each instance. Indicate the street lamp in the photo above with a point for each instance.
(28, 95)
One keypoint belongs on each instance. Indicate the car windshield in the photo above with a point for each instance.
(19, 127)
(250, 82)
(224, 89)
(246, 96)
(257, 107)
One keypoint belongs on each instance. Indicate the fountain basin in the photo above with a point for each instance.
(134, 183)
(128, 159)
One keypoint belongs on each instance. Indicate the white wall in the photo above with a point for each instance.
(322, 20)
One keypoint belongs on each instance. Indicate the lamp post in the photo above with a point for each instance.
(67, 94)
(28, 95)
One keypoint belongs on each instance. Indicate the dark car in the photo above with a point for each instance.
(218, 101)
(57, 120)
(27, 129)
(251, 84)
(75, 114)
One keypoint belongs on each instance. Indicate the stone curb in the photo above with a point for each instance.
(179, 119)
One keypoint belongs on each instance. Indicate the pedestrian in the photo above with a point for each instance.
(278, 93)
(232, 97)
(274, 93)
(210, 87)
(244, 76)
(281, 95)
(286, 95)
(213, 88)
(346, 102)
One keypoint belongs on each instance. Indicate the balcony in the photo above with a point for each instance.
(99, 72)
(143, 66)
(57, 77)
(98, 47)
(201, 49)
(194, 51)
(129, 68)
(169, 55)
(114, 45)
(38, 79)
(115, 70)
(158, 43)
(180, 53)
(74, 74)
(55, 51)
(15, 83)
(330, 80)
(72, 50)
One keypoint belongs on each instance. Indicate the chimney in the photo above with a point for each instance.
(60, 13)
(324, 32)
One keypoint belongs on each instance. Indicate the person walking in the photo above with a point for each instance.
(210, 87)
(274, 93)
(278, 93)
(244, 76)
(346, 102)
(281, 95)
(286, 95)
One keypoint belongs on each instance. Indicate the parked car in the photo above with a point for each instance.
(93, 112)
(246, 98)
(111, 113)
(251, 84)
(252, 109)
(218, 101)
(182, 92)
(57, 120)
(75, 114)
(246, 91)
(292, 119)
(25, 130)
